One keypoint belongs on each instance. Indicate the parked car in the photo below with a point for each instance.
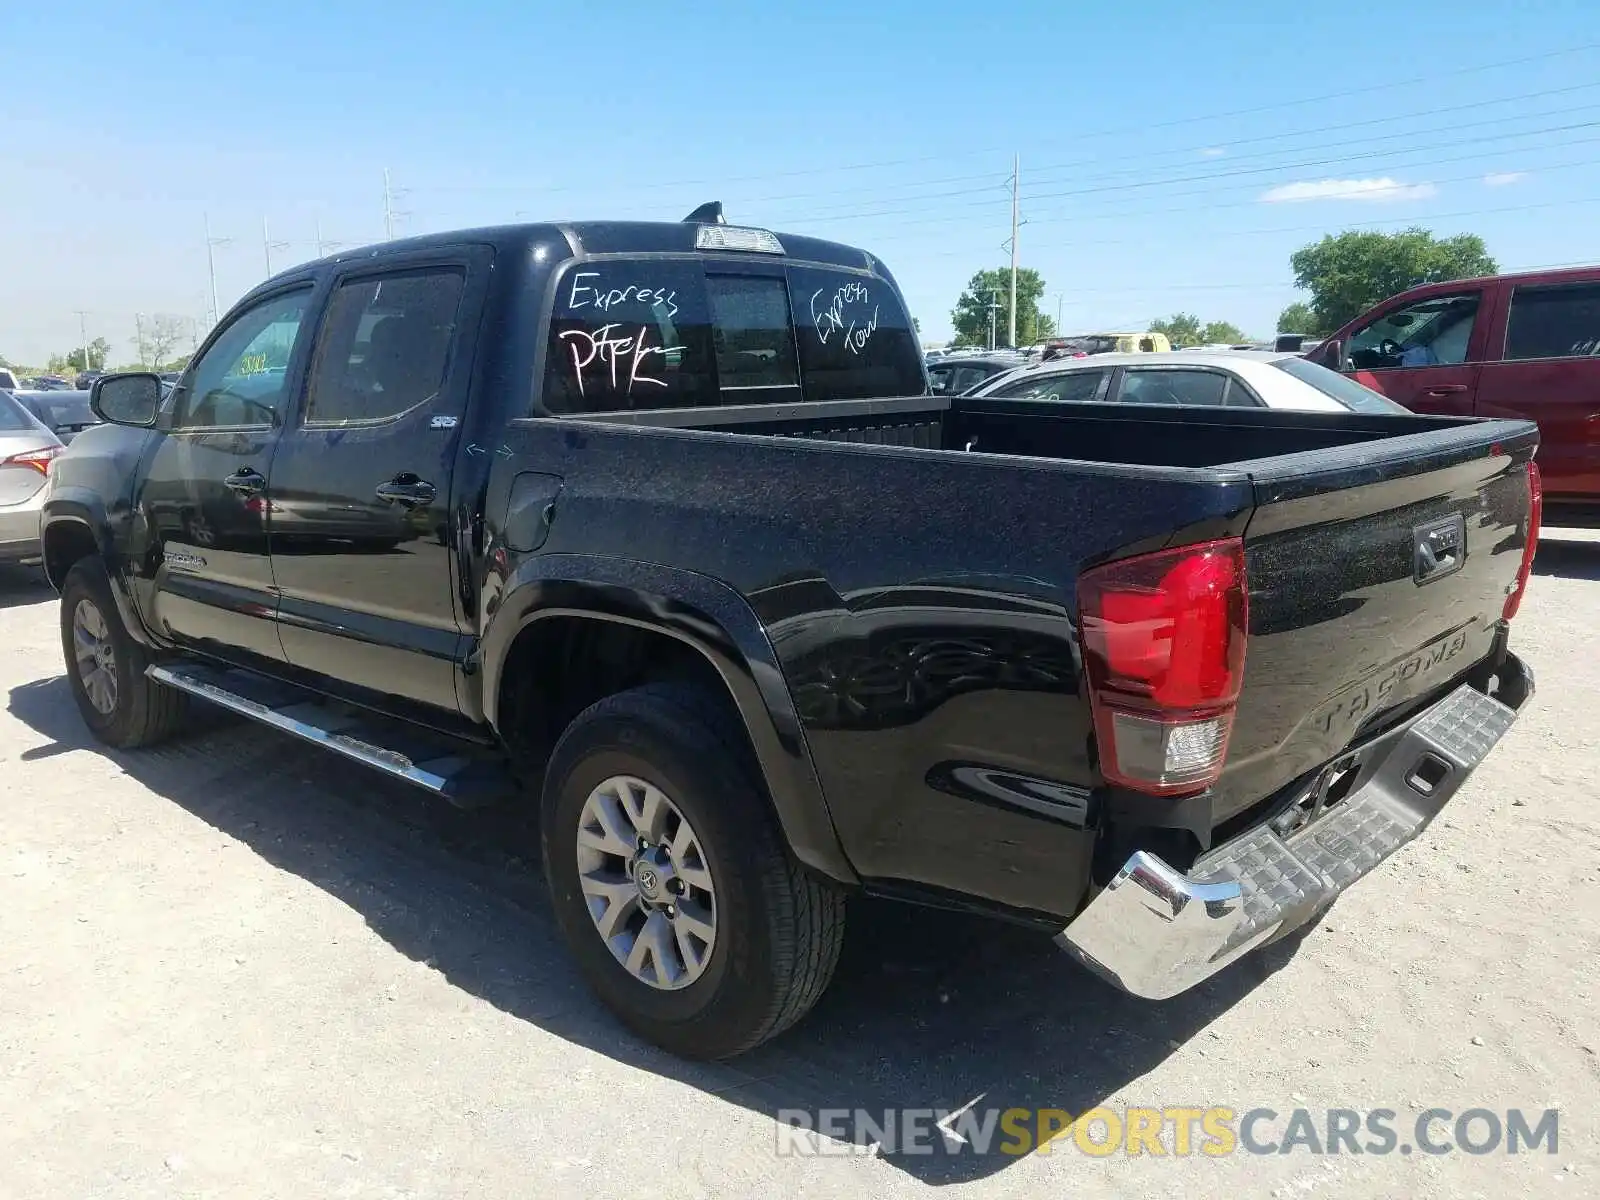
(1207, 378)
(64, 414)
(1525, 345)
(1106, 343)
(953, 376)
(26, 451)
(762, 623)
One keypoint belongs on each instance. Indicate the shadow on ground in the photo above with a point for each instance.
(1569, 559)
(928, 1010)
(21, 585)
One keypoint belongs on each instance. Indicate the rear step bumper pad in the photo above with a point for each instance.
(1155, 931)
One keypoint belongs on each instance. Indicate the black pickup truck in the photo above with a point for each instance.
(657, 527)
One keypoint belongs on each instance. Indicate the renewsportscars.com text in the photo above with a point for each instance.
(1178, 1131)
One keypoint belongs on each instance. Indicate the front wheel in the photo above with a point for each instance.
(670, 880)
(122, 706)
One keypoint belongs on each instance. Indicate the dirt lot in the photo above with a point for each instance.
(238, 967)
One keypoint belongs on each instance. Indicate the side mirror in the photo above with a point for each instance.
(1330, 354)
(130, 399)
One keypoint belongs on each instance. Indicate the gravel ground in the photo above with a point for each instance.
(235, 966)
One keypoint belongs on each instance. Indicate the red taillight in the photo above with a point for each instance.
(39, 459)
(1535, 519)
(1163, 640)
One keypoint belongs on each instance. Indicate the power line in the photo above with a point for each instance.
(1320, 227)
(1109, 132)
(1327, 162)
(1297, 135)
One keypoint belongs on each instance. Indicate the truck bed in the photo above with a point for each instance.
(921, 590)
(1122, 434)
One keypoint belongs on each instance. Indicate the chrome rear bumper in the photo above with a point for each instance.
(1155, 931)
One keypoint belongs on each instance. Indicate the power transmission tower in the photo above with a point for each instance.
(390, 213)
(268, 246)
(83, 333)
(138, 331)
(1016, 179)
(211, 262)
(324, 247)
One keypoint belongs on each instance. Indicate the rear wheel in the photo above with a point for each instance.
(106, 668)
(670, 879)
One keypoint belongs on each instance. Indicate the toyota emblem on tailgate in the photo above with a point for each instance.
(1438, 548)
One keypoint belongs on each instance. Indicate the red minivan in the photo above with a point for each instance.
(1501, 346)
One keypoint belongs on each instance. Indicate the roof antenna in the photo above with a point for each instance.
(709, 213)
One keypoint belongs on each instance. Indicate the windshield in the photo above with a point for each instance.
(1339, 387)
(68, 410)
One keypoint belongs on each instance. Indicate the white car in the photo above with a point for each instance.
(1208, 378)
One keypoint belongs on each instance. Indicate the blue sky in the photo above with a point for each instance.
(1171, 159)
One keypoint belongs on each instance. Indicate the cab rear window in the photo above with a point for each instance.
(677, 333)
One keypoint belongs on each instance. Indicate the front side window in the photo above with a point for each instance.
(1554, 322)
(967, 378)
(385, 345)
(1427, 333)
(1173, 387)
(242, 377)
(1069, 386)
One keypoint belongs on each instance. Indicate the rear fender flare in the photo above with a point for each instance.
(714, 620)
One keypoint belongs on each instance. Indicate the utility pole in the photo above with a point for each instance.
(388, 208)
(138, 327)
(83, 334)
(1016, 179)
(994, 309)
(1060, 296)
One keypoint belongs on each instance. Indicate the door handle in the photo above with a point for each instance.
(406, 490)
(246, 481)
(1446, 389)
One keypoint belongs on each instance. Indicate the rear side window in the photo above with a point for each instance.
(1173, 387)
(1554, 322)
(385, 345)
(14, 418)
(856, 342)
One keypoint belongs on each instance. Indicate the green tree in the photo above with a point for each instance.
(971, 316)
(1182, 329)
(1222, 331)
(1298, 318)
(1349, 272)
(96, 358)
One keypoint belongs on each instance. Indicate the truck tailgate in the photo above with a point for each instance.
(1377, 575)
